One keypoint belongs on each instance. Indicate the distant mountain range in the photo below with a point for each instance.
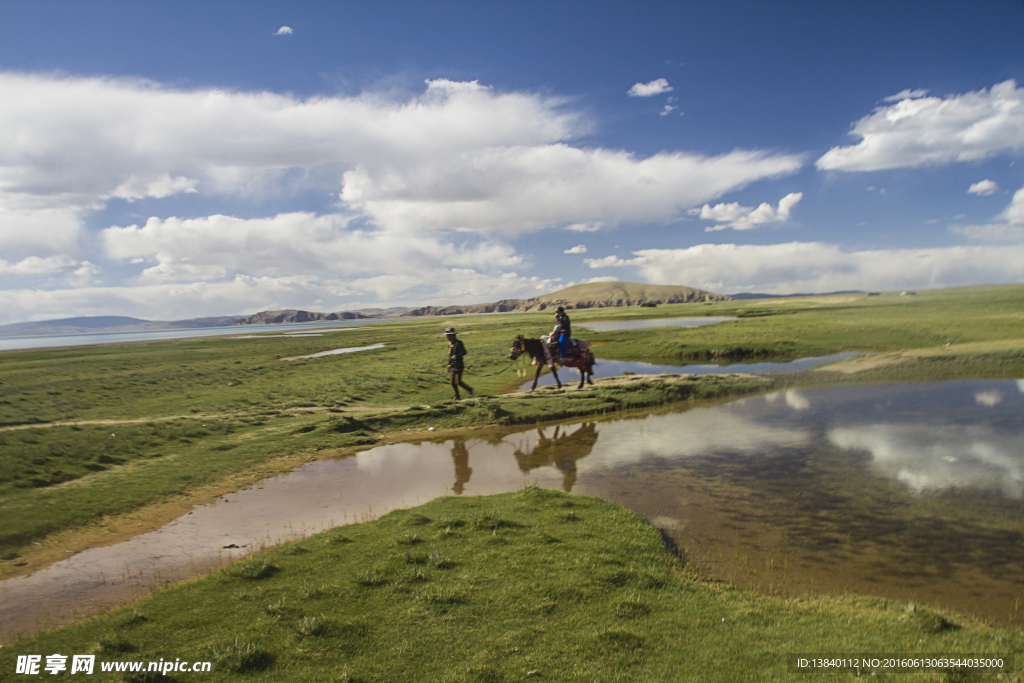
(593, 295)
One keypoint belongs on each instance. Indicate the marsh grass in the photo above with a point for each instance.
(607, 602)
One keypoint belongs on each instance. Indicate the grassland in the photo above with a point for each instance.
(97, 443)
(88, 434)
(532, 585)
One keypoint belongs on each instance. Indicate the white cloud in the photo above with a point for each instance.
(578, 249)
(163, 186)
(906, 94)
(459, 156)
(585, 227)
(284, 31)
(917, 131)
(666, 110)
(983, 188)
(655, 87)
(33, 265)
(1014, 213)
(745, 217)
(293, 244)
(818, 267)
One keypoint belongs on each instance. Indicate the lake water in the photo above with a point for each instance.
(654, 322)
(335, 352)
(249, 331)
(911, 492)
(614, 368)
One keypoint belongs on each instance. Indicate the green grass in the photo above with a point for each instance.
(493, 588)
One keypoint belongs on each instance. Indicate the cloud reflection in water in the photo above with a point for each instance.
(928, 457)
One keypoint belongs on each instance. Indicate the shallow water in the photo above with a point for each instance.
(655, 322)
(911, 492)
(59, 340)
(334, 352)
(614, 368)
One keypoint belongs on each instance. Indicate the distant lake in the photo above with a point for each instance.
(655, 322)
(55, 340)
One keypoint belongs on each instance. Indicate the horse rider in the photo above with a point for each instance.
(456, 352)
(563, 330)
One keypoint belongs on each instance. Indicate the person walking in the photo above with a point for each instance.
(456, 352)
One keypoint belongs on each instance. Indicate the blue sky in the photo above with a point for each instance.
(184, 159)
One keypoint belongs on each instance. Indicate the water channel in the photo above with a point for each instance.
(911, 492)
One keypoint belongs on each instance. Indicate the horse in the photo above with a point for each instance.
(540, 350)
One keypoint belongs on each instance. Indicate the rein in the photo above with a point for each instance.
(510, 364)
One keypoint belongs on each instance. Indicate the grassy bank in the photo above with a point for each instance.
(535, 583)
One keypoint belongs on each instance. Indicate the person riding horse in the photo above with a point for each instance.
(563, 330)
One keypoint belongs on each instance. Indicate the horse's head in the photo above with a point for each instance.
(517, 347)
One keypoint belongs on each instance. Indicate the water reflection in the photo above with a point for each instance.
(905, 491)
(560, 451)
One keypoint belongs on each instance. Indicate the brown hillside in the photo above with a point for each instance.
(593, 295)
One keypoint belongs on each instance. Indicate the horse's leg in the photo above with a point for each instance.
(536, 377)
(583, 375)
(555, 374)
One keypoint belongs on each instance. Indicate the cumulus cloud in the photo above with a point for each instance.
(666, 110)
(906, 94)
(33, 265)
(458, 156)
(578, 249)
(284, 31)
(819, 267)
(983, 188)
(299, 244)
(917, 131)
(655, 87)
(1014, 213)
(746, 217)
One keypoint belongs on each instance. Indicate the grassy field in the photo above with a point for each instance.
(91, 433)
(532, 585)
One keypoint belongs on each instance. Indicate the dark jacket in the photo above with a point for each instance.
(456, 351)
(563, 326)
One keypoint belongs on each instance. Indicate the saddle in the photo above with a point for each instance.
(571, 348)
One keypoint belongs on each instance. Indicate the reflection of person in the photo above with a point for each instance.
(460, 456)
(562, 451)
(563, 329)
(456, 364)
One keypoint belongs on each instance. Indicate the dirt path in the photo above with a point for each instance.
(190, 416)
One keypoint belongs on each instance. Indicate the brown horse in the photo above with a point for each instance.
(541, 352)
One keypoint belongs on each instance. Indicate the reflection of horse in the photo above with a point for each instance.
(562, 450)
(542, 354)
